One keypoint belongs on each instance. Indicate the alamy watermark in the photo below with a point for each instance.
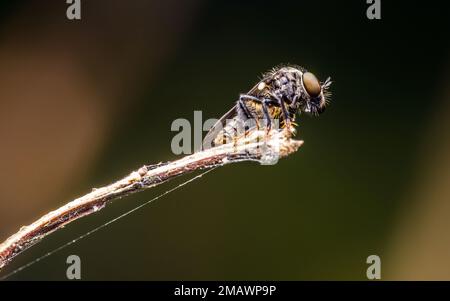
(73, 11)
(73, 271)
(373, 271)
(373, 11)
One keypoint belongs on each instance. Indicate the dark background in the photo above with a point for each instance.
(83, 103)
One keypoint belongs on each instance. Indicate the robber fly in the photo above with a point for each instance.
(280, 95)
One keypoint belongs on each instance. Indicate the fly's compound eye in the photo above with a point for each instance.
(311, 84)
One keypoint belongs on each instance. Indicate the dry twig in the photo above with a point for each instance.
(260, 146)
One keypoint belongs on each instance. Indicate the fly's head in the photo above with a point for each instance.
(314, 95)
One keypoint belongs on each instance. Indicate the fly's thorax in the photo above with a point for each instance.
(286, 84)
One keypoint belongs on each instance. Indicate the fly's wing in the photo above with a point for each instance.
(208, 141)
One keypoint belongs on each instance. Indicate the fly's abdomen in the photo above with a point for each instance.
(229, 132)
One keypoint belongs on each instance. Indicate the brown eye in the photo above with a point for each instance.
(311, 84)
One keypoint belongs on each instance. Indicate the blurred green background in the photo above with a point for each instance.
(82, 103)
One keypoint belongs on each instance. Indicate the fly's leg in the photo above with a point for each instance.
(265, 103)
(243, 99)
(287, 118)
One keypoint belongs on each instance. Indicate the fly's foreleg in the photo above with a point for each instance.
(286, 117)
(243, 99)
(264, 103)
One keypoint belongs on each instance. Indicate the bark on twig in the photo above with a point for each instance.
(259, 146)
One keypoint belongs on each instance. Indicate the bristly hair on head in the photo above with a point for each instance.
(326, 90)
(272, 71)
